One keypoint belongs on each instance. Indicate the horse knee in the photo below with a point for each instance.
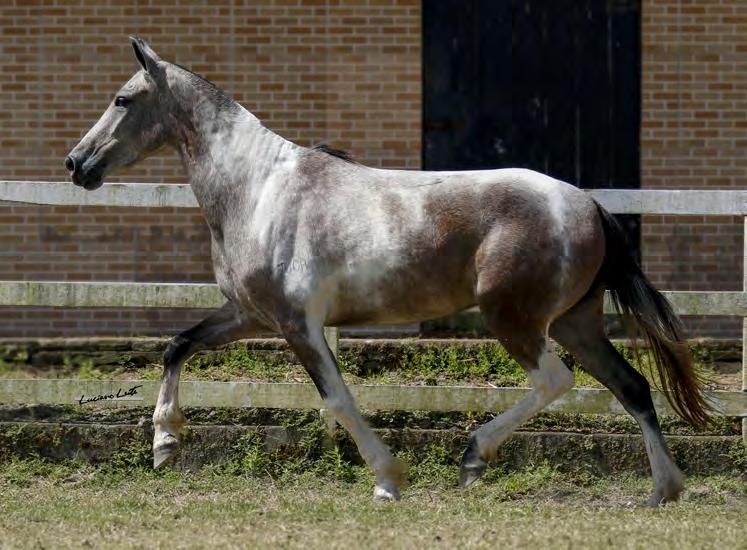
(177, 350)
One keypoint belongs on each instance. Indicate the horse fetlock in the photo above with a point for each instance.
(389, 480)
(394, 471)
(170, 417)
(668, 490)
(390, 477)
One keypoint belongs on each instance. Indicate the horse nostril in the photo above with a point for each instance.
(70, 164)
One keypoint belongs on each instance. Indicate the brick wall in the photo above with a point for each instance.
(694, 136)
(346, 72)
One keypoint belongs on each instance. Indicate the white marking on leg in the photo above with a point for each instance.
(553, 378)
(550, 380)
(168, 418)
(167, 411)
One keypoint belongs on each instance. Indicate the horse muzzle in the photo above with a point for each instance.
(89, 178)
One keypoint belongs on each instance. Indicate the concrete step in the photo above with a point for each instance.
(602, 454)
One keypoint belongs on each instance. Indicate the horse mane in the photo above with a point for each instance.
(221, 98)
(339, 153)
(224, 100)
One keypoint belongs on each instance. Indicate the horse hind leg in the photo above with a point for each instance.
(550, 378)
(581, 332)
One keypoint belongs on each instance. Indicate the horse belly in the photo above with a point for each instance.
(402, 295)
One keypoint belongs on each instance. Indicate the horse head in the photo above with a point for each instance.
(133, 126)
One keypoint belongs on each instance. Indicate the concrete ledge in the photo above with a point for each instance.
(51, 352)
(600, 453)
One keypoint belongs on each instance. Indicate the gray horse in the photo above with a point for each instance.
(303, 237)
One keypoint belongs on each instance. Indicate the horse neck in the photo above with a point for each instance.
(227, 152)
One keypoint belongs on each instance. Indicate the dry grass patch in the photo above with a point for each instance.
(73, 506)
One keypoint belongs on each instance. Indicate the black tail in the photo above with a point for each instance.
(637, 300)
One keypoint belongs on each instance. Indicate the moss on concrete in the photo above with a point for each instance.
(305, 446)
(403, 361)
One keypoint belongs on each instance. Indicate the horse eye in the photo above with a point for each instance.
(122, 101)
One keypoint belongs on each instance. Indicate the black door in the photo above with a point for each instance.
(552, 85)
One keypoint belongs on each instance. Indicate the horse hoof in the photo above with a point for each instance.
(383, 493)
(473, 466)
(469, 474)
(164, 451)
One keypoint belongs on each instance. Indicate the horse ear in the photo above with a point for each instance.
(145, 55)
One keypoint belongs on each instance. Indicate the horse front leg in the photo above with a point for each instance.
(226, 325)
(308, 343)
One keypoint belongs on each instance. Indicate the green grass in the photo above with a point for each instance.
(72, 505)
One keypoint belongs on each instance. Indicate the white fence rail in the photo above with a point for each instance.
(207, 295)
(136, 195)
(142, 195)
(142, 393)
(102, 294)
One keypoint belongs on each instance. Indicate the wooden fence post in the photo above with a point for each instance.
(744, 332)
(332, 335)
